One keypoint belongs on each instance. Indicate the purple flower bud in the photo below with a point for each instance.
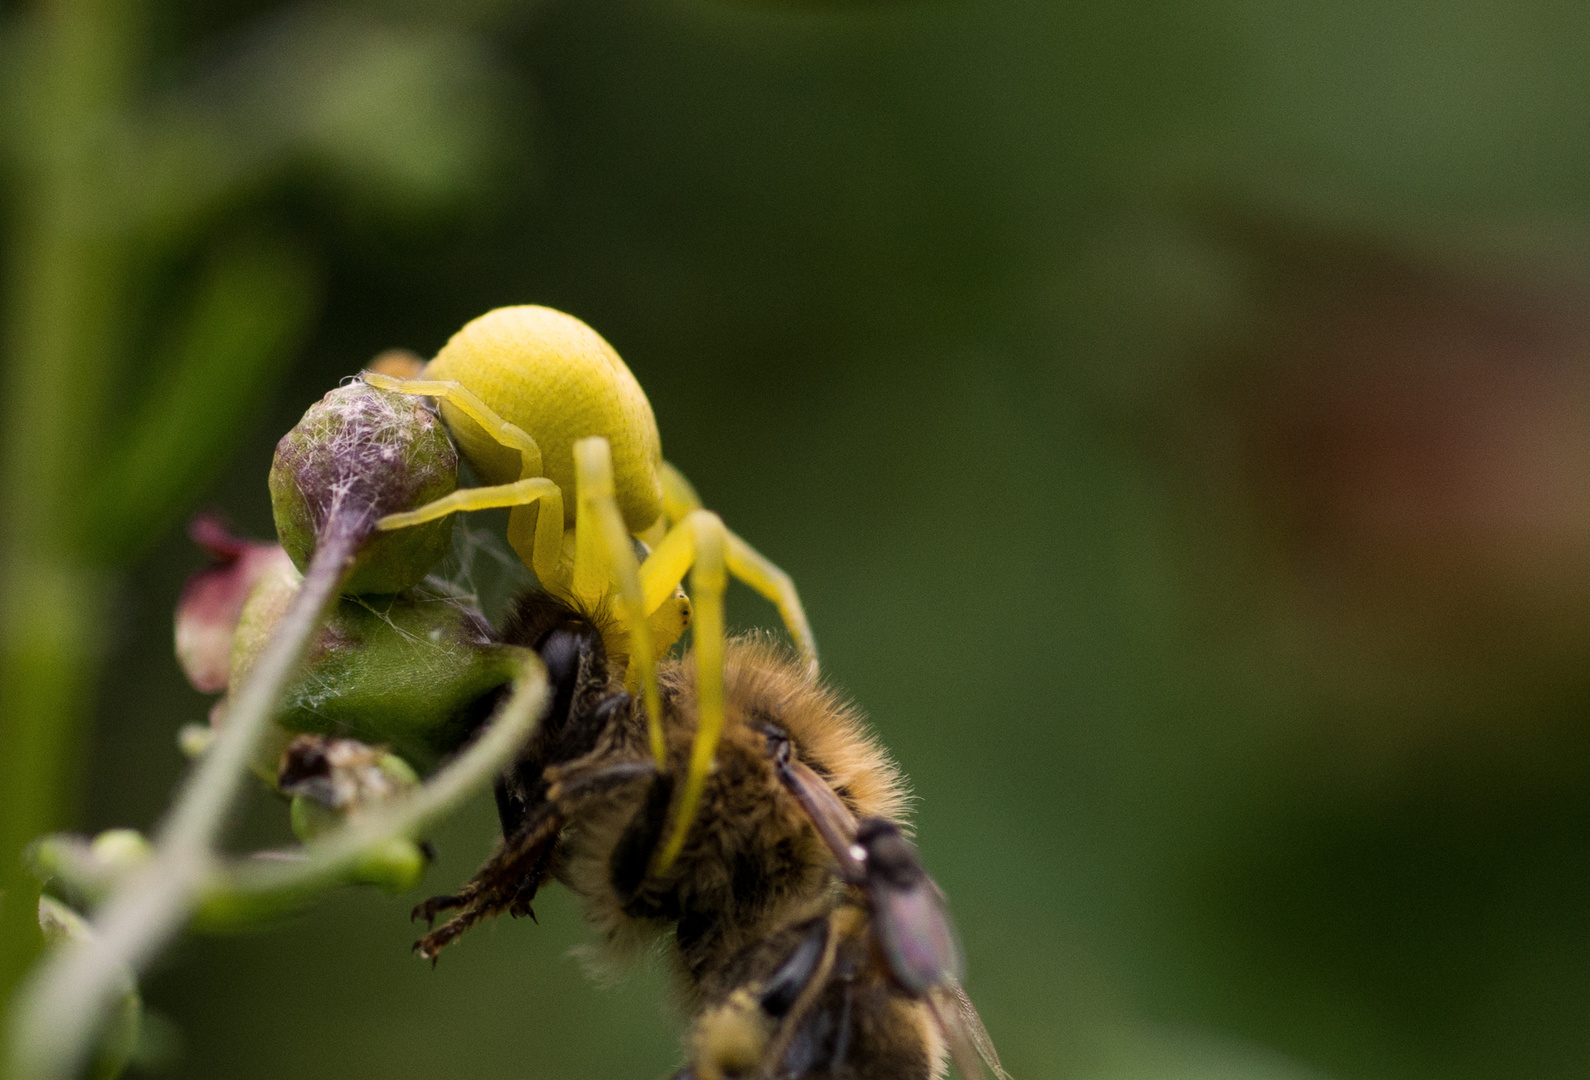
(356, 456)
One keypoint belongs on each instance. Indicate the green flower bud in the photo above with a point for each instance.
(357, 455)
(331, 779)
(261, 612)
(416, 672)
(396, 866)
(120, 849)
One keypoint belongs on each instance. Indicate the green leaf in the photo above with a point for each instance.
(416, 672)
(249, 310)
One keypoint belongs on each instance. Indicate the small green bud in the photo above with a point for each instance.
(263, 609)
(60, 923)
(194, 740)
(310, 819)
(358, 455)
(120, 849)
(396, 865)
(331, 779)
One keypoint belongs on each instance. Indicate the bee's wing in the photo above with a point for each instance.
(918, 939)
(912, 924)
(964, 1033)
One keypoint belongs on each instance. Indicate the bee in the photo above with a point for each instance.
(807, 938)
(548, 415)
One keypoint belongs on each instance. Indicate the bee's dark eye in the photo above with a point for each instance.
(561, 654)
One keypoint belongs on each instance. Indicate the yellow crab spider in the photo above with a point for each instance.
(555, 424)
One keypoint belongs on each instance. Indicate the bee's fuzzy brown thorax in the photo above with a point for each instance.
(778, 945)
(752, 861)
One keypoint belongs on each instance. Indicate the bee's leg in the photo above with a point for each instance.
(629, 865)
(509, 879)
(842, 1036)
(536, 537)
(782, 990)
(732, 1037)
(506, 883)
(747, 564)
(698, 544)
(790, 995)
(502, 872)
(603, 552)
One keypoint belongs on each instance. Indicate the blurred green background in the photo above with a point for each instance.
(1176, 417)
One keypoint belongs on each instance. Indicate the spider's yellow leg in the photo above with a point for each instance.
(536, 537)
(679, 495)
(700, 543)
(747, 564)
(757, 571)
(604, 551)
(548, 534)
(464, 400)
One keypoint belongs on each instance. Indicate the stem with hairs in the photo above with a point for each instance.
(65, 1003)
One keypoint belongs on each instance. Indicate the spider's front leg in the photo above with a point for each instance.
(536, 536)
(699, 544)
(604, 552)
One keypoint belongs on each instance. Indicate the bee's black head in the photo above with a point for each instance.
(569, 643)
(534, 616)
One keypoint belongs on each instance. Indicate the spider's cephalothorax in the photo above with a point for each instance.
(547, 414)
(808, 945)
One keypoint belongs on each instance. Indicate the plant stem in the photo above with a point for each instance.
(331, 858)
(243, 888)
(63, 293)
(63, 1006)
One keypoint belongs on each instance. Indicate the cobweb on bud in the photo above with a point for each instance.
(368, 434)
(480, 567)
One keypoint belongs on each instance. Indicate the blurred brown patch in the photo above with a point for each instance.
(1415, 431)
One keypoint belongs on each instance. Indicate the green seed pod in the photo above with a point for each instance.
(332, 779)
(416, 672)
(121, 849)
(357, 455)
(395, 866)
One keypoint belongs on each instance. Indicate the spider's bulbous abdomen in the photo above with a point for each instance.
(556, 378)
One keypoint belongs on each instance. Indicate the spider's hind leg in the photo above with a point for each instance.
(747, 564)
